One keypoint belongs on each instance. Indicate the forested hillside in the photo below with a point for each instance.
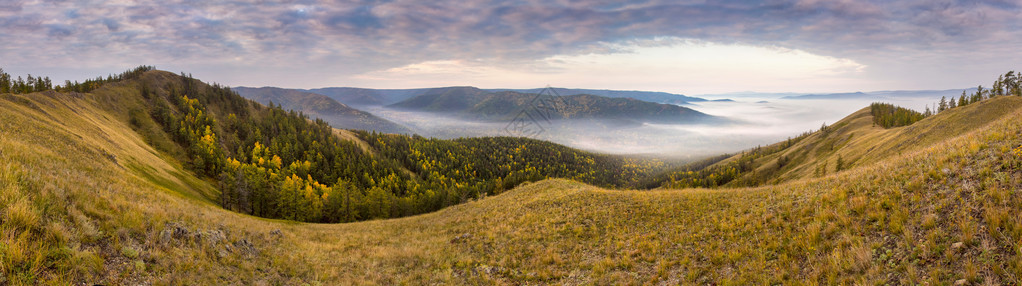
(280, 164)
(477, 104)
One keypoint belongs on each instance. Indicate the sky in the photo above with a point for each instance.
(688, 47)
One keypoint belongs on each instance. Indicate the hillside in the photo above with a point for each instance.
(857, 141)
(86, 199)
(476, 104)
(901, 221)
(316, 105)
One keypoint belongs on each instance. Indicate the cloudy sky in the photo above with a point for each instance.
(689, 47)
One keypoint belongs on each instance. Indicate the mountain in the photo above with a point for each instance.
(445, 100)
(477, 104)
(885, 95)
(376, 97)
(650, 96)
(337, 114)
(367, 96)
(91, 192)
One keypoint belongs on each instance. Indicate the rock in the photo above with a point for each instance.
(166, 236)
(215, 237)
(179, 231)
(276, 232)
(173, 231)
(461, 238)
(956, 245)
(246, 247)
(196, 236)
(961, 282)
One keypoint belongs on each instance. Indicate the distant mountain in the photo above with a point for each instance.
(376, 97)
(337, 114)
(884, 95)
(651, 96)
(749, 95)
(368, 96)
(474, 103)
(445, 99)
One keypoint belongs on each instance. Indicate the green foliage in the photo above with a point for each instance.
(887, 115)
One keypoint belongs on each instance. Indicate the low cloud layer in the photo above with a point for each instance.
(756, 121)
(909, 44)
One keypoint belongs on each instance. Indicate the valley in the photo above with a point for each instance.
(93, 192)
(482, 142)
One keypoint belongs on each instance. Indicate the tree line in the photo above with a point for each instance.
(31, 84)
(1008, 84)
(888, 115)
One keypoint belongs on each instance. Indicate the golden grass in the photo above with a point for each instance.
(858, 142)
(74, 211)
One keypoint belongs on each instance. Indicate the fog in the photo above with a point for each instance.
(753, 121)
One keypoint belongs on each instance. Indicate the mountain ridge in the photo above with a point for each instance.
(337, 114)
(375, 97)
(477, 104)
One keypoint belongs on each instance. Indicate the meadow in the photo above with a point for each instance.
(85, 199)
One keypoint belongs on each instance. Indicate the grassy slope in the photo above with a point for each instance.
(71, 211)
(858, 142)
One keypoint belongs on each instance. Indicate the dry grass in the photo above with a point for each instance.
(858, 142)
(73, 210)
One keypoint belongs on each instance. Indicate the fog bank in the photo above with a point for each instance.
(755, 121)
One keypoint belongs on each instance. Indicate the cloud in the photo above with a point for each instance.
(343, 39)
(664, 64)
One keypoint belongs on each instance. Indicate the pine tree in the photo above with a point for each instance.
(5, 82)
(998, 88)
(978, 96)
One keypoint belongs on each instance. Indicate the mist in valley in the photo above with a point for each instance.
(751, 121)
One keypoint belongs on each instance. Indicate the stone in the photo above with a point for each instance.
(957, 245)
(461, 238)
(961, 282)
(245, 247)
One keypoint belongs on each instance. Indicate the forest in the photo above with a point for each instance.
(887, 115)
(275, 163)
